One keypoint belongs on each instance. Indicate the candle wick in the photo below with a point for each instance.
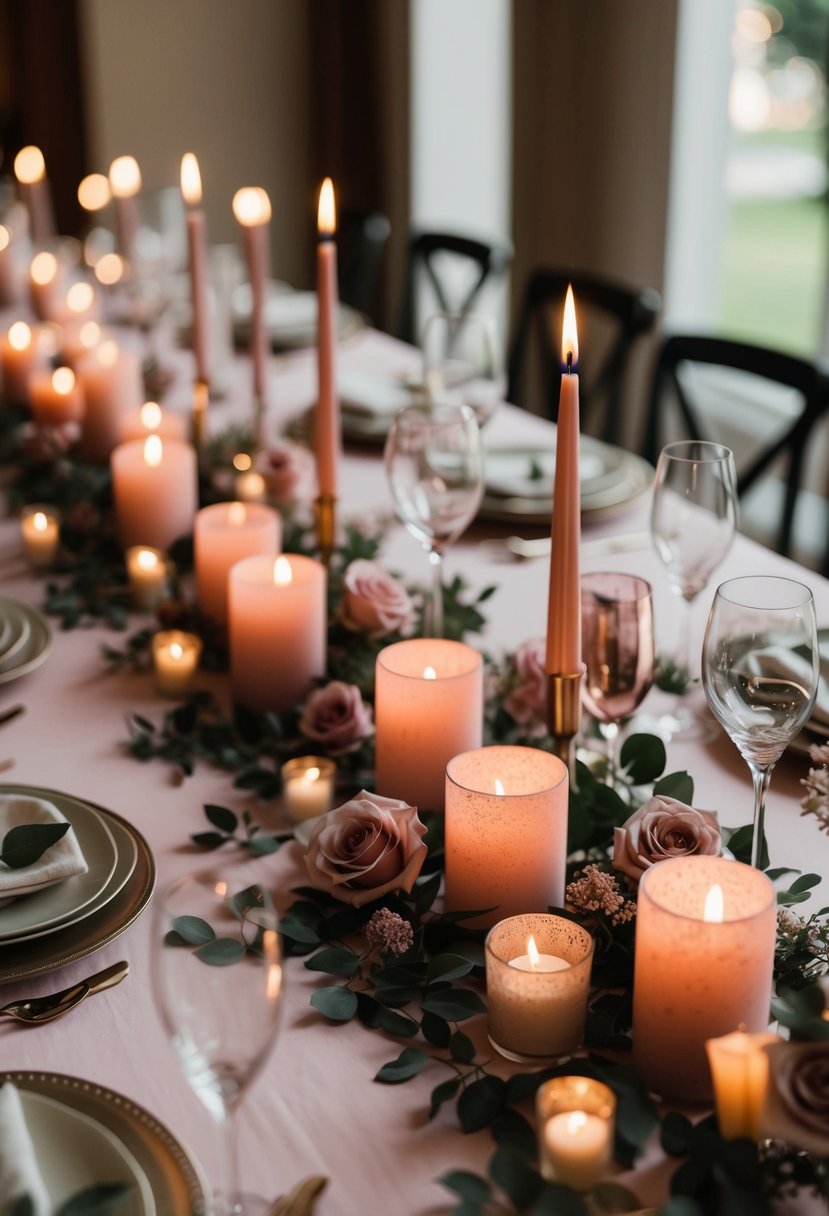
(569, 362)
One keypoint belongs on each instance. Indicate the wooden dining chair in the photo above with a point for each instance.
(434, 257)
(361, 243)
(674, 413)
(623, 313)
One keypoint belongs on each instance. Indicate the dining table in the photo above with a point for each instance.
(314, 1108)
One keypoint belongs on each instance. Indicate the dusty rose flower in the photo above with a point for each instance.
(594, 890)
(526, 700)
(797, 1100)
(663, 827)
(337, 717)
(373, 601)
(288, 470)
(366, 848)
(388, 932)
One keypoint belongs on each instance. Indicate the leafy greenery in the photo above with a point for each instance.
(24, 844)
(92, 1201)
(196, 933)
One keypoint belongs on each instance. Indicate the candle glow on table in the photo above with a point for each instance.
(125, 183)
(30, 171)
(252, 210)
(197, 245)
(176, 657)
(56, 397)
(278, 630)
(429, 705)
(505, 850)
(224, 534)
(308, 786)
(740, 1072)
(328, 429)
(147, 573)
(719, 917)
(40, 529)
(112, 386)
(20, 354)
(576, 1118)
(155, 488)
(537, 997)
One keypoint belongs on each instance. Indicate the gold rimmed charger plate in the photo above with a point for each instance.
(38, 642)
(42, 954)
(177, 1182)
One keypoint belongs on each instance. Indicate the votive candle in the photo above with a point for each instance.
(176, 657)
(740, 1073)
(56, 397)
(308, 786)
(155, 488)
(576, 1120)
(147, 573)
(224, 534)
(40, 529)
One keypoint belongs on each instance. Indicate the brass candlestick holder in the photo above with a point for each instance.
(564, 717)
(201, 396)
(325, 508)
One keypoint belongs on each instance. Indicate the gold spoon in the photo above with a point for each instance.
(46, 1008)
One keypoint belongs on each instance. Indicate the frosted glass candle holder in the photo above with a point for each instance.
(576, 1119)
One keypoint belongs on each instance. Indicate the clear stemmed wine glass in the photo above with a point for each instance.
(463, 362)
(617, 649)
(435, 466)
(693, 521)
(760, 669)
(217, 981)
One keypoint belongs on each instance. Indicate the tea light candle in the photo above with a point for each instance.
(151, 419)
(576, 1117)
(40, 529)
(112, 385)
(277, 614)
(224, 534)
(506, 831)
(308, 786)
(537, 981)
(155, 488)
(740, 1072)
(428, 707)
(56, 397)
(147, 572)
(20, 355)
(721, 916)
(175, 657)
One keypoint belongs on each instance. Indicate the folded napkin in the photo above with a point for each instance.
(781, 663)
(19, 1171)
(372, 396)
(62, 860)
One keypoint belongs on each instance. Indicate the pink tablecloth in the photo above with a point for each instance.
(314, 1109)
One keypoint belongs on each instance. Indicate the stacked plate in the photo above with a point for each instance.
(85, 1135)
(816, 729)
(25, 638)
(290, 317)
(65, 921)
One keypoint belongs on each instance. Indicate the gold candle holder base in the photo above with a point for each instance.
(201, 396)
(564, 717)
(325, 508)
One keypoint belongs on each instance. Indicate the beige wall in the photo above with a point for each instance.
(226, 79)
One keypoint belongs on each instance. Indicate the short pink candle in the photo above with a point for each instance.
(429, 696)
(20, 355)
(277, 610)
(705, 936)
(55, 397)
(112, 385)
(151, 419)
(155, 487)
(78, 339)
(224, 534)
(506, 832)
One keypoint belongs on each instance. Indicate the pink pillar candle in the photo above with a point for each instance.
(20, 355)
(47, 281)
(277, 611)
(429, 696)
(705, 936)
(56, 397)
(78, 339)
(112, 385)
(252, 209)
(328, 436)
(12, 275)
(224, 534)
(506, 832)
(125, 183)
(197, 247)
(155, 487)
(151, 419)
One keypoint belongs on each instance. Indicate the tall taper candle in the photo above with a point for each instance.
(252, 209)
(328, 431)
(30, 171)
(197, 244)
(125, 182)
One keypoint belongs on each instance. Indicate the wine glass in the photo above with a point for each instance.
(693, 521)
(435, 466)
(217, 981)
(463, 362)
(760, 668)
(617, 649)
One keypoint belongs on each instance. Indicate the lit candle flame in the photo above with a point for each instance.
(282, 572)
(29, 165)
(499, 787)
(107, 353)
(63, 380)
(124, 176)
(429, 673)
(176, 651)
(20, 336)
(327, 210)
(574, 1122)
(147, 559)
(312, 774)
(251, 206)
(109, 269)
(94, 192)
(237, 514)
(40, 522)
(153, 451)
(190, 180)
(569, 333)
(242, 462)
(80, 297)
(532, 952)
(714, 910)
(150, 414)
(44, 268)
(90, 334)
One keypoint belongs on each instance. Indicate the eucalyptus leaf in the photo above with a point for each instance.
(334, 960)
(425, 893)
(613, 1199)
(555, 1200)
(209, 840)
(467, 1185)
(461, 1048)
(447, 967)
(395, 1023)
(23, 1206)
(643, 758)
(24, 844)
(676, 1134)
(435, 1030)
(408, 1064)
(337, 1004)
(443, 1093)
(513, 1129)
(222, 818)
(514, 1175)
(193, 929)
(454, 1004)
(676, 785)
(222, 952)
(242, 902)
(264, 845)
(481, 1103)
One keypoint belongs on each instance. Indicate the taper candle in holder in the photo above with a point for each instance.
(576, 1119)
(252, 210)
(30, 171)
(327, 427)
(564, 663)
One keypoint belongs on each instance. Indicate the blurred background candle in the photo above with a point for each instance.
(740, 1073)
(506, 831)
(428, 707)
(537, 983)
(147, 573)
(30, 171)
(12, 278)
(151, 419)
(176, 657)
(252, 210)
(55, 397)
(197, 245)
(277, 611)
(78, 340)
(46, 285)
(20, 354)
(328, 436)
(705, 936)
(224, 534)
(112, 385)
(576, 1121)
(308, 786)
(125, 183)
(40, 529)
(155, 487)
(94, 192)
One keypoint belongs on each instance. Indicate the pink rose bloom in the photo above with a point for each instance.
(288, 470)
(662, 828)
(370, 846)
(374, 602)
(526, 701)
(797, 1100)
(337, 717)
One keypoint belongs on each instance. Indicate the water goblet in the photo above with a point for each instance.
(693, 521)
(435, 466)
(463, 362)
(760, 669)
(617, 650)
(217, 981)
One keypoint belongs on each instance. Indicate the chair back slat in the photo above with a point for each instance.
(489, 260)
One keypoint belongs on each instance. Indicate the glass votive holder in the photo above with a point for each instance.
(576, 1118)
(147, 573)
(176, 657)
(538, 981)
(308, 786)
(40, 529)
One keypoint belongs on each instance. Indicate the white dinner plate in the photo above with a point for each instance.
(38, 643)
(290, 316)
(21, 629)
(5, 633)
(527, 472)
(75, 1152)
